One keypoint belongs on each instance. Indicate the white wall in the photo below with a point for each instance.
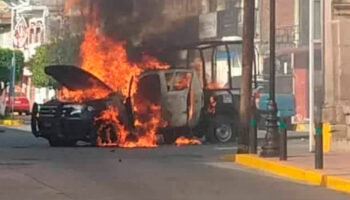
(43, 95)
(5, 41)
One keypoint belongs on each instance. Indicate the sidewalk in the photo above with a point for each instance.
(25, 128)
(300, 167)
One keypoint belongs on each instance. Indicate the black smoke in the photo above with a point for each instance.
(141, 23)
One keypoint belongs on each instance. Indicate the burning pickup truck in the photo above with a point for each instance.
(160, 103)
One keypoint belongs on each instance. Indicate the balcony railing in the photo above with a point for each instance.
(287, 36)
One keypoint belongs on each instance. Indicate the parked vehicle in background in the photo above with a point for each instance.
(285, 104)
(20, 104)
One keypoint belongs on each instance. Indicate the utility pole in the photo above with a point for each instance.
(271, 146)
(246, 82)
(12, 81)
(311, 76)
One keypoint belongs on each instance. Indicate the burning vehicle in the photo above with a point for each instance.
(159, 103)
(112, 100)
(64, 122)
(106, 117)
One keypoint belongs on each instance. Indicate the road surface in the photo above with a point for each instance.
(30, 169)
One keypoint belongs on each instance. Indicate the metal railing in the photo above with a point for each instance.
(287, 36)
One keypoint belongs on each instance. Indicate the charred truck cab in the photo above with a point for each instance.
(180, 95)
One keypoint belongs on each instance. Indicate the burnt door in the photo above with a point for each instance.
(175, 98)
(196, 101)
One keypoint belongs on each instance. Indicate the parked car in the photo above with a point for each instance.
(20, 104)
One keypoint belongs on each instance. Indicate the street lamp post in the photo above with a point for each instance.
(271, 146)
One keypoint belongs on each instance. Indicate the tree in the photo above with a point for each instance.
(61, 51)
(6, 64)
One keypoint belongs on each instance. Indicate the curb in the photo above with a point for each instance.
(10, 122)
(338, 183)
(308, 176)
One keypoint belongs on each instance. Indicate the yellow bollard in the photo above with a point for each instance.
(327, 137)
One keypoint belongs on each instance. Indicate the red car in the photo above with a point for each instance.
(20, 105)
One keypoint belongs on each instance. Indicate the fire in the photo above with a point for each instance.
(81, 95)
(107, 59)
(212, 105)
(187, 141)
(147, 129)
(68, 4)
(106, 136)
(113, 133)
(191, 104)
(214, 85)
(183, 82)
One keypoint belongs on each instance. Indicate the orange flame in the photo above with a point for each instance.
(191, 105)
(187, 141)
(81, 95)
(184, 82)
(212, 105)
(214, 85)
(108, 60)
(68, 4)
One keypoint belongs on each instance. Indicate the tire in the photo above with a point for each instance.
(58, 142)
(169, 137)
(93, 137)
(104, 132)
(221, 130)
(35, 121)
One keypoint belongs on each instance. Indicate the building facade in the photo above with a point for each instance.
(336, 109)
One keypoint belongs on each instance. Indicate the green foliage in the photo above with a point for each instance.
(6, 62)
(62, 51)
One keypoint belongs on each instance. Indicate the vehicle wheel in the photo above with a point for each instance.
(93, 138)
(220, 131)
(35, 121)
(105, 133)
(169, 137)
(58, 142)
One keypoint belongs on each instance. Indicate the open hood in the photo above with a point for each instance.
(75, 78)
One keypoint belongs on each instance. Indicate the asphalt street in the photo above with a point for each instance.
(30, 169)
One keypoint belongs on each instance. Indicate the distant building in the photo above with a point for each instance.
(26, 25)
(5, 25)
